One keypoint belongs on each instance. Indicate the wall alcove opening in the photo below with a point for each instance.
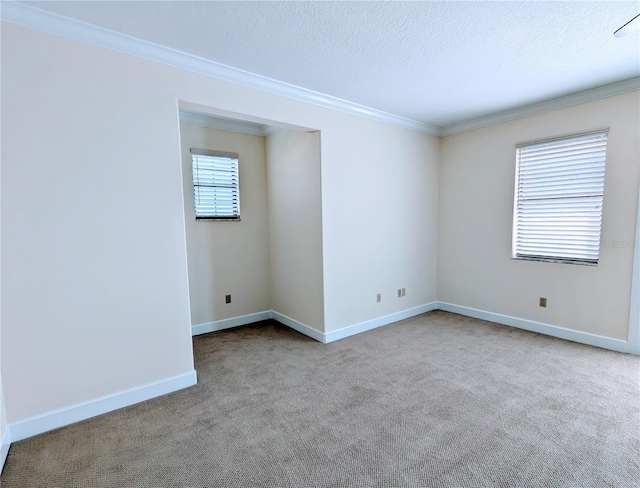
(267, 264)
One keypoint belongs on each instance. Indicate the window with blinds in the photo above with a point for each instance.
(216, 188)
(558, 199)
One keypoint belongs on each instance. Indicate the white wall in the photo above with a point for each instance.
(4, 438)
(4, 431)
(475, 268)
(295, 225)
(380, 217)
(94, 276)
(228, 257)
(634, 312)
(3, 414)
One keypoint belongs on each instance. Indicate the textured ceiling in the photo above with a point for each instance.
(434, 62)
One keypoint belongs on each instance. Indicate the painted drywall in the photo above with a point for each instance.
(94, 275)
(295, 225)
(380, 217)
(475, 268)
(4, 432)
(4, 437)
(3, 414)
(228, 258)
(634, 309)
(98, 240)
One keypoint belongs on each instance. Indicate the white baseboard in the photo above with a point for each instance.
(299, 326)
(354, 329)
(4, 449)
(231, 322)
(324, 337)
(540, 327)
(82, 411)
(257, 317)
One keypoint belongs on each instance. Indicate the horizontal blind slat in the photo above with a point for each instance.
(216, 186)
(559, 193)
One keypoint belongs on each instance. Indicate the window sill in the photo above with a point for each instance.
(554, 260)
(218, 219)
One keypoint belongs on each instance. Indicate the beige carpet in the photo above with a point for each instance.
(437, 400)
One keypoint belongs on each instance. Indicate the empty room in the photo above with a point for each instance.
(320, 244)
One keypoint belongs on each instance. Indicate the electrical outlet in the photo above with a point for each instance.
(403, 292)
(379, 297)
(227, 299)
(543, 302)
(399, 292)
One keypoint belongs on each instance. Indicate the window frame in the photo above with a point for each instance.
(218, 154)
(516, 253)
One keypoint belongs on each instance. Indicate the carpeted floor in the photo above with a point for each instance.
(437, 400)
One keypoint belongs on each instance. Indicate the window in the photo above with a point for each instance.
(558, 199)
(216, 189)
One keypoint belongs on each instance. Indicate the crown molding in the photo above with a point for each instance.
(223, 123)
(605, 91)
(267, 130)
(35, 18)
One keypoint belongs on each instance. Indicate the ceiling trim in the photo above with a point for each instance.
(598, 93)
(42, 20)
(267, 130)
(232, 125)
(35, 18)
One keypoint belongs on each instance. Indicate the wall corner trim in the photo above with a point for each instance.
(231, 322)
(299, 326)
(4, 448)
(354, 329)
(97, 406)
(540, 327)
(251, 318)
(324, 337)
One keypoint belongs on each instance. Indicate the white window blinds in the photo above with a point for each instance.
(558, 199)
(216, 188)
